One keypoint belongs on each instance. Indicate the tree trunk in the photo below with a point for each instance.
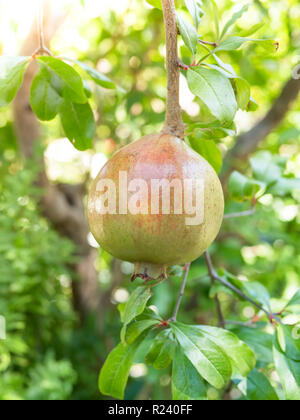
(61, 204)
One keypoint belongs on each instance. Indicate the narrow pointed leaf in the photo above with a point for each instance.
(234, 19)
(241, 356)
(95, 75)
(188, 33)
(257, 387)
(186, 381)
(115, 371)
(215, 91)
(136, 304)
(194, 7)
(209, 359)
(137, 328)
(289, 374)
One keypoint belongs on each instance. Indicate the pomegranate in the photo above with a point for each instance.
(155, 240)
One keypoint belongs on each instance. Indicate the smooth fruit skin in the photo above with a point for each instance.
(154, 242)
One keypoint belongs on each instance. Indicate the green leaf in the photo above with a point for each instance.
(234, 19)
(242, 188)
(250, 31)
(215, 91)
(194, 7)
(243, 92)
(225, 66)
(95, 75)
(289, 374)
(72, 84)
(241, 356)
(209, 359)
(260, 342)
(155, 3)
(136, 304)
(212, 130)
(257, 292)
(44, 99)
(12, 71)
(188, 33)
(161, 351)
(78, 123)
(115, 371)
(215, 15)
(252, 105)
(210, 151)
(186, 381)
(266, 167)
(235, 42)
(288, 342)
(137, 328)
(257, 387)
(285, 186)
(294, 304)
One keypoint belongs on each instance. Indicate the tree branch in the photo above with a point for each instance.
(246, 213)
(221, 318)
(42, 49)
(181, 293)
(230, 286)
(173, 123)
(247, 142)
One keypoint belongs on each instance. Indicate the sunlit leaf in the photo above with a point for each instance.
(44, 99)
(12, 71)
(236, 16)
(72, 84)
(96, 76)
(188, 33)
(242, 188)
(209, 150)
(289, 374)
(78, 123)
(194, 7)
(215, 91)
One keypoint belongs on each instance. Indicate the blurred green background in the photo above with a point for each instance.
(55, 347)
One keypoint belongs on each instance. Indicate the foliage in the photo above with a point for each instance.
(259, 254)
(35, 295)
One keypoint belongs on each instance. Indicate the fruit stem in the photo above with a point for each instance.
(173, 123)
(181, 293)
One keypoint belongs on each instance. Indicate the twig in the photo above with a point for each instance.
(240, 214)
(42, 49)
(222, 322)
(181, 65)
(246, 213)
(221, 318)
(213, 44)
(241, 324)
(181, 293)
(230, 286)
(173, 123)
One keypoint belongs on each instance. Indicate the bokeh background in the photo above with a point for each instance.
(59, 291)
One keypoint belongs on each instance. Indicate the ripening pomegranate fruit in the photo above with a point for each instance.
(156, 203)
